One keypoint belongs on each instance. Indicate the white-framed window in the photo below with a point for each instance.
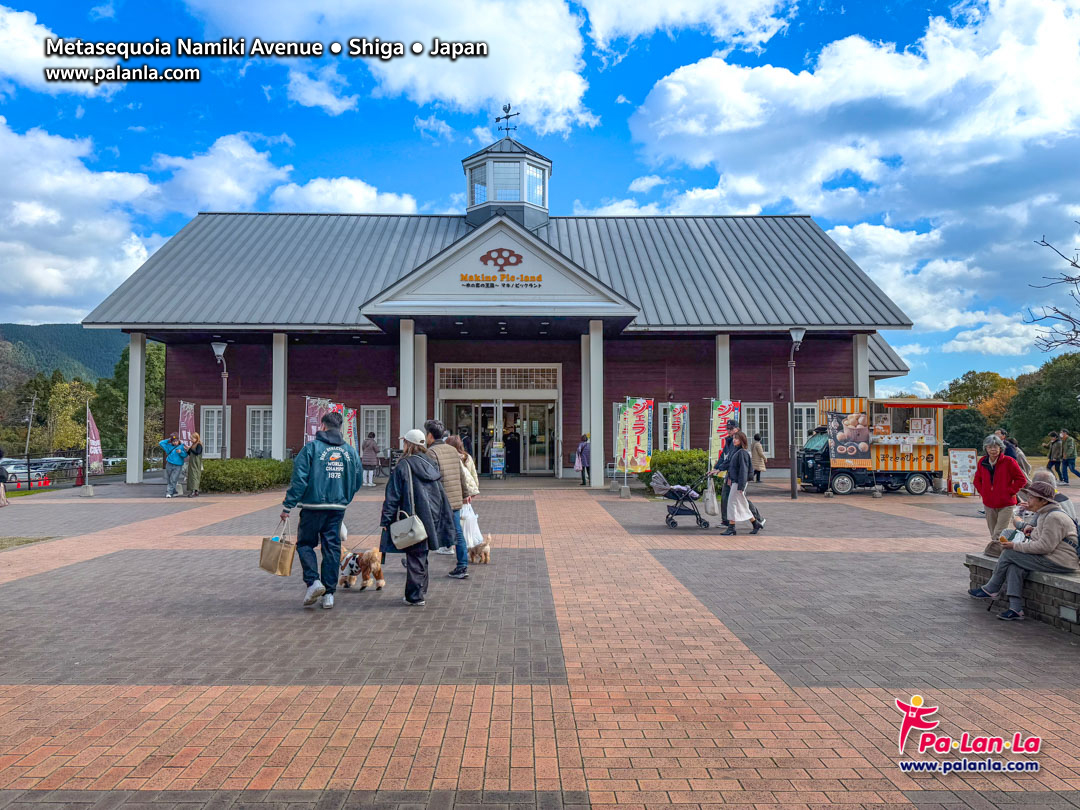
(507, 180)
(260, 433)
(210, 431)
(665, 409)
(805, 421)
(375, 419)
(757, 417)
(534, 184)
(478, 184)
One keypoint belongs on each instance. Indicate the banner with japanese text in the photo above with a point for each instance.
(187, 420)
(95, 460)
(635, 436)
(723, 411)
(678, 426)
(350, 428)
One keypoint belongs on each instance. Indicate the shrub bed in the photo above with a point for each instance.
(678, 466)
(244, 474)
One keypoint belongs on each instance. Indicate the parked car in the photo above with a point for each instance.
(18, 473)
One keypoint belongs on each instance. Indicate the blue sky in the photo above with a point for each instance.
(934, 141)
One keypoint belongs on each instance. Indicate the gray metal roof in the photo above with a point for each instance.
(263, 270)
(506, 146)
(884, 361)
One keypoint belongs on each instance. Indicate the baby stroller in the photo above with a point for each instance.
(685, 499)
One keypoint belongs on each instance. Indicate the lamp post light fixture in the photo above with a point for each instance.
(797, 335)
(219, 353)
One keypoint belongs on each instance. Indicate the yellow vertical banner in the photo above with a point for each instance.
(722, 411)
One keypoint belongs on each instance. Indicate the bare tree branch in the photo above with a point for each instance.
(1060, 327)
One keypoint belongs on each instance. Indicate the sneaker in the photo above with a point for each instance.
(421, 603)
(314, 591)
(167, 495)
(979, 593)
(1011, 616)
(461, 572)
(445, 551)
(328, 601)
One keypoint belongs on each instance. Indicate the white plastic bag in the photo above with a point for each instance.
(470, 526)
(711, 506)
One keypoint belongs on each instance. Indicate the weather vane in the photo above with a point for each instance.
(506, 127)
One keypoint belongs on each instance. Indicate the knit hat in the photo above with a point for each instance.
(1039, 489)
(416, 437)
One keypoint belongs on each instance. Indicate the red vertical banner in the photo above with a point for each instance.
(187, 420)
(314, 410)
(95, 460)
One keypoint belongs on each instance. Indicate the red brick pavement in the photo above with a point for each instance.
(663, 703)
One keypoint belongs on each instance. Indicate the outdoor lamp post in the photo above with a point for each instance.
(797, 335)
(219, 353)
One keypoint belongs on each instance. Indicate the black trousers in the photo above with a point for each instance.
(416, 572)
(584, 475)
(725, 493)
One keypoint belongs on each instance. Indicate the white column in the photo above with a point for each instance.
(723, 367)
(136, 406)
(278, 394)
(862, 365)
(420, 380)
(586, 405)
(598, 458)
(873, 387)
(406, 349)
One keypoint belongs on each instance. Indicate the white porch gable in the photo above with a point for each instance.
(499, 269)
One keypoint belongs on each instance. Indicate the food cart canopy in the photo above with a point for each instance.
(920, 403)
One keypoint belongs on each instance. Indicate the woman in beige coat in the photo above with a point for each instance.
(757, 456)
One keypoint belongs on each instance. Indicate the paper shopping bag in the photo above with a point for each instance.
(278, 551)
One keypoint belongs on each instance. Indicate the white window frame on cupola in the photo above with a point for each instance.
(543, 184)
(481, 167)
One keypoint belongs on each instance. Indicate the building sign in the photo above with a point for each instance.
(723, 410)
(678, 426)
(499, 259)
(634, 452)
(187, 420)
(849, 440)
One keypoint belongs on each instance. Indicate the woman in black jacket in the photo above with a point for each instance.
(740, 470)
(431, 506)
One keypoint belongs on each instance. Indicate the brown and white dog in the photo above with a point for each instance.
(363, 565)
(480, 554)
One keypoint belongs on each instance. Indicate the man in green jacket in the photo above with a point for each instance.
(1068, 457)
(326, 475)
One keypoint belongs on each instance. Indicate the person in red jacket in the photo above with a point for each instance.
(997, 480)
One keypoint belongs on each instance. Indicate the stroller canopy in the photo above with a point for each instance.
(659, 484)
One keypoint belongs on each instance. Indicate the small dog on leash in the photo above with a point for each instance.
(363, 565)
(480, 554)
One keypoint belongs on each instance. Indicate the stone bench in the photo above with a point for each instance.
(1050, 598)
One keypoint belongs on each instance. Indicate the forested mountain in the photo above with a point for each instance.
(85, 353)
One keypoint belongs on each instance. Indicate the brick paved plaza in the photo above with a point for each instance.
(600, 659)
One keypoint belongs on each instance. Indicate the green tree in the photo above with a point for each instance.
(1048, 403)
(110, 408)
(967, 428)
(976, 387)
(65, 417)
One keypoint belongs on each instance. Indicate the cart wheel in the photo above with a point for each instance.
(843, 484)
(702, 523)
(917, 484)
(670, 522)
(892, 486)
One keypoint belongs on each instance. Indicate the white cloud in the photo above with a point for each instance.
(1006, 336)
(22, 43)
(79, 111)
(483, 136)
(66, 232)
(320, 89)
(748, 22)
(643, 185)
(616, 208)
(621, 99)
(229, 176)
(895, 387)
(106, 11)
(434, 128)
(340, 195)
(1026, 368)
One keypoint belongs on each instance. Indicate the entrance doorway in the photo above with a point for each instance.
(526, 430)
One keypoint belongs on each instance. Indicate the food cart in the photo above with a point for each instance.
(863, 442)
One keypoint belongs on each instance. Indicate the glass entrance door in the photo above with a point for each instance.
(537, 436)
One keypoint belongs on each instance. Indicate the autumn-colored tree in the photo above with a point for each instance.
(65, 418)
(976, 387)
(995, 406)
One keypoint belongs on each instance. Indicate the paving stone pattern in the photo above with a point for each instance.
(212, 617)
(362, 519)
(972, 800)
(870, 620)
(804, 518)
(68, 519)
(296, 799)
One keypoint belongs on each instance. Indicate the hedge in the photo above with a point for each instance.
(244, 474)
(678, 466)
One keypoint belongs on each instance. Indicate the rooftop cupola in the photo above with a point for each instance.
(507, 178)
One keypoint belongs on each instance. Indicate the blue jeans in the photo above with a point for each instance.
(1066, 465)
(320, 527)
(460, 547)
(172, 477)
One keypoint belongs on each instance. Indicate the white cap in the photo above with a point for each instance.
(416, 437)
